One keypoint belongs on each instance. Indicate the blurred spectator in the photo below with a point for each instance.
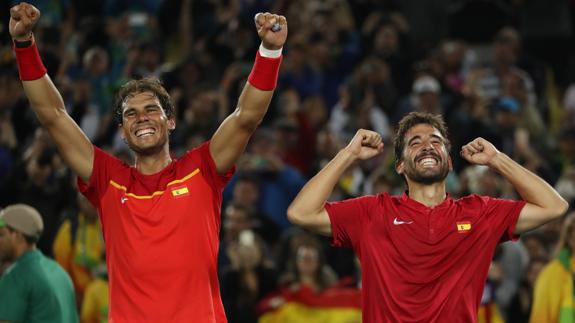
(278, 182)
(547, 29)
(79, 244)
(95, 303)
(488, 311)
(307, 267)
(42, 180)
(358, 105)
(553, 295)
(505, 60)
(238, 217)
(309, 292)
(248, 279)
(34, 287)
(425, 97)
(298, 74)
(520, 307)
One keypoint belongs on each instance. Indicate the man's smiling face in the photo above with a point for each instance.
(425, 157)
(145, 125)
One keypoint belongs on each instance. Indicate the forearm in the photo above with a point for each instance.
(530, 187)
(45, 100)
(257, 93)
(252, 107)
(40, 91)
(313, 196)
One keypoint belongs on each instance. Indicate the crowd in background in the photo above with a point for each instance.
(502, 70)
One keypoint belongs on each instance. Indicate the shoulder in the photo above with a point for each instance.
(477, 201)
(552, 276)
(102, 157)
(199, 152)
(65, 226)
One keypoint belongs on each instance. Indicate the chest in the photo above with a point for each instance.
(419, 236)
(183, 205)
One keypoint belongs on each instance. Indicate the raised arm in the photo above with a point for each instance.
(543, 202)
(232, 136)
(307, 209)
(45, 99)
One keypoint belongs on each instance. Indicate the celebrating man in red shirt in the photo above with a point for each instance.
(161, 216)
(424, 255)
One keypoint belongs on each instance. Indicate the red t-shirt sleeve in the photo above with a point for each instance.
(348, 218)
(103, 165)
(502, 215)
(208, 168)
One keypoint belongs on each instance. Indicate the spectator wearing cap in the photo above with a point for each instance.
(425, 97)
(33, 288)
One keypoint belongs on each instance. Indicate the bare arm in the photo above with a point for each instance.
(48, 105)
(232, 136)
(307, 209)
(544, 204)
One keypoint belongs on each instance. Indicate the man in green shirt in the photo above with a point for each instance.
(34, 288)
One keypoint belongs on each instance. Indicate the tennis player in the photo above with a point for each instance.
(424, 255)
(160, 216)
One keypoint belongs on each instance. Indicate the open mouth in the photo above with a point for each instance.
(145, 132)
(428, 160)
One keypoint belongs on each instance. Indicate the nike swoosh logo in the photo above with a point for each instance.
(398, 222)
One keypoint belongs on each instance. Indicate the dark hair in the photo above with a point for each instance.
(413, 119)
(147, 84)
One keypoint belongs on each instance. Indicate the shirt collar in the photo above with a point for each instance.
(422, 207)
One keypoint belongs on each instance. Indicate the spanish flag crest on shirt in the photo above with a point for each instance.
(463, 227)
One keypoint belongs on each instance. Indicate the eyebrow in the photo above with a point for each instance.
(419, 137)
(145, 107)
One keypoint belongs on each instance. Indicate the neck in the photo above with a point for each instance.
(22, 249)
(308, 280)
(428, 195)
(151, 164)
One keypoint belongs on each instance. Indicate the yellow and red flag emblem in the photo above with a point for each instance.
(178, 191)
(463, 227)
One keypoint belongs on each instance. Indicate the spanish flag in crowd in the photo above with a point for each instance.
(333, 305)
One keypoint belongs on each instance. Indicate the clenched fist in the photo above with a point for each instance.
(365, 144)
(23, 17)
(479, 152)
(271, 39)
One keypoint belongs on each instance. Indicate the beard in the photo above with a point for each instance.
(148, 151)
(427, 176)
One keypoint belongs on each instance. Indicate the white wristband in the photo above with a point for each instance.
(271, 53)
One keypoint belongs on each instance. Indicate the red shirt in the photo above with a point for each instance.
(422, 264)
(161, 234)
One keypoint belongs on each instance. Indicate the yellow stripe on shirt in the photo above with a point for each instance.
(156, 193)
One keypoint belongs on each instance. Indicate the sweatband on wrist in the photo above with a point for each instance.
(264, 75)
(30, 64)
(271, 53)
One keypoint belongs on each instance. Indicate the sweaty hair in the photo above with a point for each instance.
(148, 84)
(413, 119)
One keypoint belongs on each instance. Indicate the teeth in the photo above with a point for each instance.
(428, 162)
(145, 132)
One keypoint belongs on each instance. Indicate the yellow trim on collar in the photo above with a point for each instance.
(156, 193)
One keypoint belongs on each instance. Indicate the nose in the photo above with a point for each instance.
(142, 116)
(428, 145)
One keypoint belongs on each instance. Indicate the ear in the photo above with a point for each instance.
(122, 134)
(171, 123)
(450, 163)
(399, 167)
